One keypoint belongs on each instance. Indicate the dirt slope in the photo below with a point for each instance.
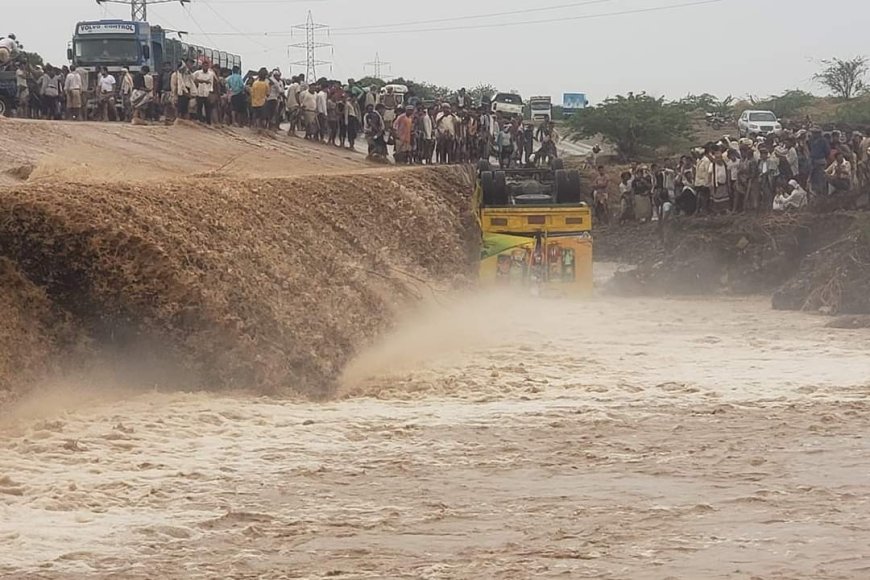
(109, 152)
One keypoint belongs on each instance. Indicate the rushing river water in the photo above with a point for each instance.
(493, 438)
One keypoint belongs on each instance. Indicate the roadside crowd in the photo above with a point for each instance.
(768, 173)
(442, 131)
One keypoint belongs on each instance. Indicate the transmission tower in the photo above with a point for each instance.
(139, 8)
(378, 65)
(310, 46)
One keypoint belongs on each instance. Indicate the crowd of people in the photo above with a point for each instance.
(416, 131)
(767, 173)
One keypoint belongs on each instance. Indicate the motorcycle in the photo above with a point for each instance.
(717, 120)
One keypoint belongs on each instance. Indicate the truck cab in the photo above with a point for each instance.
(541, 109)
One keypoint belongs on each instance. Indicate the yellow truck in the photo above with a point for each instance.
(537, 232)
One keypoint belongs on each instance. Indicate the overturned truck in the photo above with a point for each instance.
(537, 232)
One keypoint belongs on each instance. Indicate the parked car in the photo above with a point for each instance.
(508, 104)
(758, 123)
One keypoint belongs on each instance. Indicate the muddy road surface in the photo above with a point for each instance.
(488, 437)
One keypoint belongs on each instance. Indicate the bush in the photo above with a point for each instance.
(787, 104)
(635, 124)
(855, 112)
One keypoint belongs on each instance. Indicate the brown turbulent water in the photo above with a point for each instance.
(497, 437)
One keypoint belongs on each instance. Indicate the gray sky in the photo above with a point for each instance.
(761, 47)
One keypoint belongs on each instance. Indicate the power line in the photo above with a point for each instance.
(196, 23)
(500, 25)
(226, 21)
(310, 46)
(533, 22)
(239, 2)
(477, 16)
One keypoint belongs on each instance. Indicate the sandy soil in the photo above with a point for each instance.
(495, 438)
(68, 151)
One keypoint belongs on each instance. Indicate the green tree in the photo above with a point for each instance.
(482, 92)
(855, 112)
(635, 124)
(844, 78)
(703, 102)
(725, 107)
(371, 82)
(786, 105)
(34, 59)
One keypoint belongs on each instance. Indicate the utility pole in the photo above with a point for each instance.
(310, 47)
(378, 65)
(139, 8)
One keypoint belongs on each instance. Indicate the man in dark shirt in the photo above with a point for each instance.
(820, 150)
(164, 88)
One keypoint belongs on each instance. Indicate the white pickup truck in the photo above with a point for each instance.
(508, 104)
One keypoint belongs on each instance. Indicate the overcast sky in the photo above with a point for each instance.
(725, 47)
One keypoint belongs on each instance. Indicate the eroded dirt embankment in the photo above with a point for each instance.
(810, 261)
(268, 284)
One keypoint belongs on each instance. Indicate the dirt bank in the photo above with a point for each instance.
(113, 152)
(268, 284)
(810, 261)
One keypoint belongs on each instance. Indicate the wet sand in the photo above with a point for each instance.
(496, 438)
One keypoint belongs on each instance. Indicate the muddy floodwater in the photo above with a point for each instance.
(488, 437)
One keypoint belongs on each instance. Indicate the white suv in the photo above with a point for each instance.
(758, 123)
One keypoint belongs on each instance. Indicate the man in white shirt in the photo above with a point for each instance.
(445, 131)
(273, 100)
(703, 171)
(204, 80)
(795, 200)
(21, 77)
(840, 174)
(73, 90)
(292, 105)
(106, 95)
(183, 89)
(427, 134)
(322, 122)
(308, 105)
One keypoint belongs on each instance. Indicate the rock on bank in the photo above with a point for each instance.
(267, 284)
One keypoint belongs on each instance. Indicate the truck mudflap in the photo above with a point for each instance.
(542, 265)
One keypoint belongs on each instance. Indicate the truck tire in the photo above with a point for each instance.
(5, 107)
(567, 189)
(501, 192)
(494, 186)
(487, 186)
(558, 164)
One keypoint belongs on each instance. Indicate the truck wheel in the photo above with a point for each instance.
(500, 191)
(558, 164)
(568, 187)
(5, 108)
(487, 185)
(494, 186)
(483, 165)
